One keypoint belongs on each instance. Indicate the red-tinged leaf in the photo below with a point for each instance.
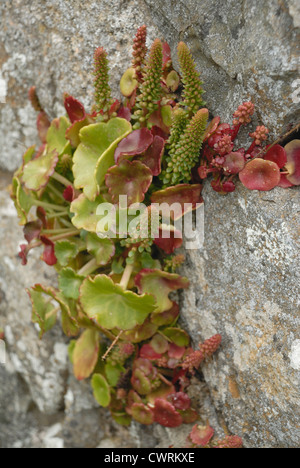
(85, 355)
(114, 107)
(74, 109)
(135, 143)
(276, 154)
(176, 352)
(234, 162)
(189, 416)
(166, 318)
(201, 435)
(49, 251)
(188, 196)
(160, 283)
(162, 392)
(159, 344)
(293, 161)
(23, 254)
(142, 414)
(261, 175)
(211, 128)
(166, 53)
(147, 352)
(156, 119)
(156, 131)
(180, 400)
(284, 182)
(131, 178)
(69, 194)
(167, 240)
(42, 215)
(32, 230)
(43, 123)
(153, 155)
(140, 333)
(72, 133)
(124, 113)
(165, 414)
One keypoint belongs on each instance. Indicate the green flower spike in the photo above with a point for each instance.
(187, 151)
(191, 79)
(102, 90)
(139, 51)
(151, 90)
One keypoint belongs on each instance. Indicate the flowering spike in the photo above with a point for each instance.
(210, 346)
(102, 90)
(33, 98)
(260, 134)
(191, 79)
(139, 51)
(243, 113)
(150, 89)
(230, 442)
(179, 123)
(187, 151)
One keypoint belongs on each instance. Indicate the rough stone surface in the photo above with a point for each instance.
(50, 44)
(245, 285)
(244, 49)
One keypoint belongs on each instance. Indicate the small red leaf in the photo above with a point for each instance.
(74, 109)
(259, 174)
(124, 113)
(234, 162)
(23, 253)
(165, 414)
(293, 161)
(180, 400)
(183, 194)
(167, 240)
(135, 143)
(153, 155)
(131, 178)
(32, 230)
(43, 124)
(201, 435)
(49, 251)
(211, 128)
(69, 194)
(147, 352)
(276, 154)
(175, 351)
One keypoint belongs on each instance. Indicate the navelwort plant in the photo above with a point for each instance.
(113, 295)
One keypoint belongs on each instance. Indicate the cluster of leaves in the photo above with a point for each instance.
(258, 167)
(117, 289)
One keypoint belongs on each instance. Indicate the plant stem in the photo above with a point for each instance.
(49, 206)
(57, 231)
(65, 236)
(112, 345)
(56, 192)
(163, 379)
(126, 276)
(58, 215)
(61, 179)
(88, 268)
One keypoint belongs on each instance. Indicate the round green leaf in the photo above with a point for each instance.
(85, 355)
(37, 172)
(112, 306)
(95, 154)
(101, 390)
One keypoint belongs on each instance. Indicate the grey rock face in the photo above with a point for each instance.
(244, 49)
(245, 285)
(50, 45)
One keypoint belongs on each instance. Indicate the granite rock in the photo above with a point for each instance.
(243, 49)
(245, 286)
